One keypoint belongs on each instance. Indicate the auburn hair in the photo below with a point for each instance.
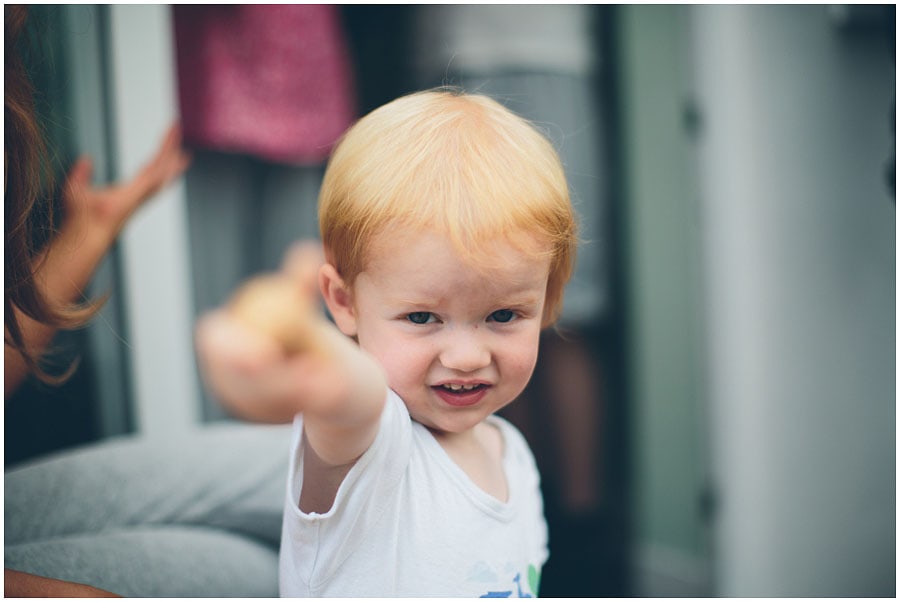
(27, 206)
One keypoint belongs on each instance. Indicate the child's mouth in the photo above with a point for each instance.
(461, 395)
(461, 388)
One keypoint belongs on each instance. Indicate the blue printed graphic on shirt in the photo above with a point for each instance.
(534, 578)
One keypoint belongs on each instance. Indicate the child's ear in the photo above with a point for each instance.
(338, 298)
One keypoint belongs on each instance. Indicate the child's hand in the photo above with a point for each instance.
(270, 354)
(109, 208)
(283, 305)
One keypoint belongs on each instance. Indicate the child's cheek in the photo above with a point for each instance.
(527, 360)
(395, 364)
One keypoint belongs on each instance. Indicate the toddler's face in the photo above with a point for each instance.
(457, 343)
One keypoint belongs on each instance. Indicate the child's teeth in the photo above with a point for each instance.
(455, 387)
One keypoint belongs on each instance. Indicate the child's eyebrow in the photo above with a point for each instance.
(425, 303)
(522, 300)
(514, 299)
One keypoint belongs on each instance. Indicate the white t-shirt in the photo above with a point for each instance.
(407, 521)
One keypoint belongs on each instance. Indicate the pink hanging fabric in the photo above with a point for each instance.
(271, 81)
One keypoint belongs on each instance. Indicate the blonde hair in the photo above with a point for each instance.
(459, 163)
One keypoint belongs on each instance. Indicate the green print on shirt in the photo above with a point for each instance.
(534, 579)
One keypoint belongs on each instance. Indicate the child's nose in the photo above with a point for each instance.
(464, 351)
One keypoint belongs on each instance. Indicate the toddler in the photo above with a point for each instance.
(448, 237)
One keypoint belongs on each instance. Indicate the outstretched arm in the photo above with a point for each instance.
(93, 218)
(270, 354)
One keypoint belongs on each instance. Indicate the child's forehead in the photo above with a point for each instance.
(421, 267)
(480, 253)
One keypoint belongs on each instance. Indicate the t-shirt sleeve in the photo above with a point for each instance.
(319, 543)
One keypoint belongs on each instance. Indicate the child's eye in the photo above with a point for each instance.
(419, 317)
(502, 315)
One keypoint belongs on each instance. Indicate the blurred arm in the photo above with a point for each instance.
(270, 354)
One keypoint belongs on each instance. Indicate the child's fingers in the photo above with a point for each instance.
(233, 344)
(249, 370)
(233, 358)
(239, 359)
(278, 307)
(302, 262)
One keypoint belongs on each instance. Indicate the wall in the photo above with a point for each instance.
(799, 266)
(669, 468)
(156, 277)
(761, 265)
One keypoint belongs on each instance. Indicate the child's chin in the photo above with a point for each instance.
(451, 425)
